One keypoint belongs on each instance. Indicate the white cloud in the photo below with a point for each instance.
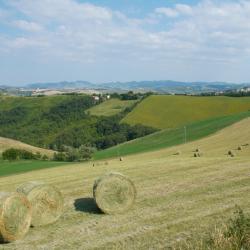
(169, 12)
(72, 31)
(28, 26)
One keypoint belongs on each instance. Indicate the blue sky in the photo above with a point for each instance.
(108, 40)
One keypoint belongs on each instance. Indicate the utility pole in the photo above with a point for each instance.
(185, 134)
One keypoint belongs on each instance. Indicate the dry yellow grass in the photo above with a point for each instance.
(177, 196)
(6, 143)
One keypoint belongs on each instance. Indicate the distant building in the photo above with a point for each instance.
(96, 98)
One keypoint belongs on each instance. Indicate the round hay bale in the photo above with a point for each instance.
(239, 148)
(197, 150)
(15, 216)
(114, 193)
(46, 201)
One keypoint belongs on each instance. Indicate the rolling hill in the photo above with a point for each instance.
(162, 111)
(179, 196)
(171, 137)
(6, 143)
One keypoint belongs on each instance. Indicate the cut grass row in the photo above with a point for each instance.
(167, 138)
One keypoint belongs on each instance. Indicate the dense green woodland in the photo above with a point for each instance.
(53, 122)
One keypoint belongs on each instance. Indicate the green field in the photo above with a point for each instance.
(111, 107)
(162, 111)
(178, 197)
(167, 138)
(18, 167)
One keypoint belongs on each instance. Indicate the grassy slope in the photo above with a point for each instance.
(17, 167)
(178, 196)
(176, 111)
(167, 138)
(34, 103)
(6, 143)
(110, 107)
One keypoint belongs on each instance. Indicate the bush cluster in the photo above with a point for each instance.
(70, 154)
(13, 154)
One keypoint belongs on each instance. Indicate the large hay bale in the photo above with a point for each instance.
(15, 216)
(46, 201)
(114, 193)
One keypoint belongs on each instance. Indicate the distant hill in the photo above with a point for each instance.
(164, 111)
(6, 143)
(62, 85)
(164, 86)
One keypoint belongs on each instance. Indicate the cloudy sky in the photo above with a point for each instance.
(123, 40)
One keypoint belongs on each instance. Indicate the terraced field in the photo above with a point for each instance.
(162, 111)
(179, 196)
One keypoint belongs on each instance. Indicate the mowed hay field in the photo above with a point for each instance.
(164, 111)
(178, 196)
(6, 143)
(111, 107)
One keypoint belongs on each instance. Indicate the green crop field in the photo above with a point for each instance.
(179, 197)
(17, 167)
(171, 137)
(111, 107)
(175, 111)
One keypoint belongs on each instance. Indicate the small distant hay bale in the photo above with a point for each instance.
(197, 155)
(46, 201)
(121, 159)
(177, 153)
(15, 216)
(231, 153)
(114, 193)
(239, 148)
(197, 150)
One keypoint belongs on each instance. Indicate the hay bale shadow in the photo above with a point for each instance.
(87, 205)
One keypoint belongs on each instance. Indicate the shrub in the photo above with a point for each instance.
(12, 154)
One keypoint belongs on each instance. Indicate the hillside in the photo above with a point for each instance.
(54, 121)
(176, 111)
(171, 137)
(111, 107)
(179, 196)
(6, 143)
